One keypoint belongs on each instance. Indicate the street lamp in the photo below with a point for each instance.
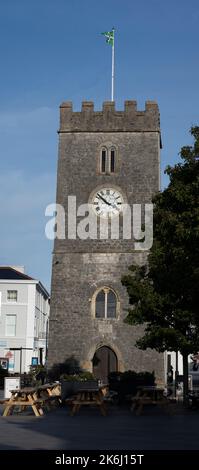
(47, 326)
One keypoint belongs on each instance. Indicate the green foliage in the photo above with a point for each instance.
(116, 376)
(126, 383)
(34, 370)
(147, 378)
(36, 375)
(81, 377)
(164, 295)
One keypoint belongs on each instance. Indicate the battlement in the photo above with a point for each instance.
(109, 120)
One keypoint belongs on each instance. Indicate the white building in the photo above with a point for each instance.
(24, 315)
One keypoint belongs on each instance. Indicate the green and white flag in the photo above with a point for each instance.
(109, 35)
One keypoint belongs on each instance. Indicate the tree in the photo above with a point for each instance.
(164, 294)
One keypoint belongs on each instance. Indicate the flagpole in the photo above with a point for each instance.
(113, 65)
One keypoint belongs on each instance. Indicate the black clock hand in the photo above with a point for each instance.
(103, 199)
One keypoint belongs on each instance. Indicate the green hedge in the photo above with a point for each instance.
(126, 383)
(81, 377)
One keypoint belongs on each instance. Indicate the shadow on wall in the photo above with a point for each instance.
(69, 367)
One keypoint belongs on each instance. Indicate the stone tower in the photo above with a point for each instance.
(108, 159)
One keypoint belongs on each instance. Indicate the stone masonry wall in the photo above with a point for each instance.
(80, 267)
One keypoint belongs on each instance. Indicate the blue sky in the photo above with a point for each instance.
(52, 51)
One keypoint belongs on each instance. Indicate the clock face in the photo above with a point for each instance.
(107, 202)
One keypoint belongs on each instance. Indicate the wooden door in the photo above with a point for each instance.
(104, 362)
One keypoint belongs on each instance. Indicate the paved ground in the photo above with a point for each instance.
(119, 430)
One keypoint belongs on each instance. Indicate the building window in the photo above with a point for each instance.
(112, 160)
(100, 304)
(103, 160)
(111, 304)
(105, 304)
(12, 295)
(107, 160)
(10, 325)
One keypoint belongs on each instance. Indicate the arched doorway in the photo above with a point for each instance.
(104, 362)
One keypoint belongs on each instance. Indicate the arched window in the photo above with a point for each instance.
(107, 160)
(103, 160)
(105, 304)
(112, 160)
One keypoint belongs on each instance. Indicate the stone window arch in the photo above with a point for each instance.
(105, 304)
(107, 159)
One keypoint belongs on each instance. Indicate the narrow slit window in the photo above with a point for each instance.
(112, 160)
(103, 161)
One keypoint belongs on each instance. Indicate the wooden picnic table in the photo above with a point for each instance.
(148, 395)
(22, 398)
(51, 393)
(34, 397)
(88, 396)
(53, 390)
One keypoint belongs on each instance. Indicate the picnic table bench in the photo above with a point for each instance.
(35, 397)
(88, 396)
(52, 391)
(148, 395)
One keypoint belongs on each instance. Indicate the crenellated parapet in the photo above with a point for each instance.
(109, 119)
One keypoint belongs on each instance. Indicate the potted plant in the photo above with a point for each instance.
(70, 384)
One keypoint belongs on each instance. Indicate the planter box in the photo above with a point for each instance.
(69, 388)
